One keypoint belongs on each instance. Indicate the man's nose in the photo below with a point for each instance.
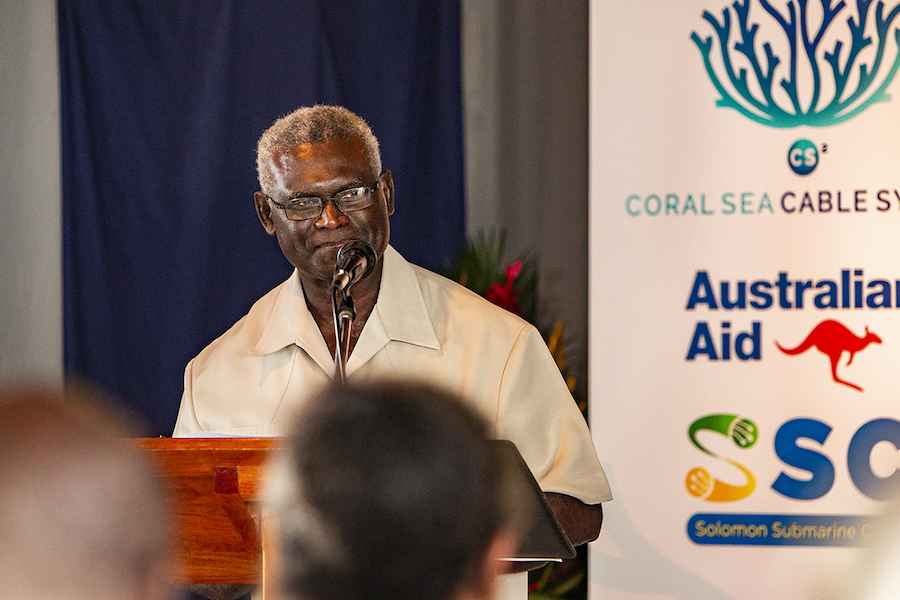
(331, 217)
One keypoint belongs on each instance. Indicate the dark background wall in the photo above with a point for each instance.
(524, 78)
(162, 105)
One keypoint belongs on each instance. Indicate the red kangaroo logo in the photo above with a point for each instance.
(832, 339)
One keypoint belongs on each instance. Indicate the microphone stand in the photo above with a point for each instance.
(355, 260)
(343, 314)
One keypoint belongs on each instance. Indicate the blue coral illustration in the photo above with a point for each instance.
(832, 73)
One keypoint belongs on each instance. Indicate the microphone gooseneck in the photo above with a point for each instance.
(355, 260)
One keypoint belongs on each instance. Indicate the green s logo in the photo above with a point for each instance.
(699, 482)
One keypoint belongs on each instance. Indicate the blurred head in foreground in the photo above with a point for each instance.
(83, 515)
(387, 491)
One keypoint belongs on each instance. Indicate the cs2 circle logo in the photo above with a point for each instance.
(803, 157)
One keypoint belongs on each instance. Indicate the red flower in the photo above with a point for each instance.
(505, 296)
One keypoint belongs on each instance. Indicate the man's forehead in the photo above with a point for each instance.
(316, 160)
(352, 147)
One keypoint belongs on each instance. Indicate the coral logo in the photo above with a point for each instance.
(832, 338)
(743, 433)
(827, 74)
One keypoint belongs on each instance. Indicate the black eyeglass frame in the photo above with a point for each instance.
(369, 191)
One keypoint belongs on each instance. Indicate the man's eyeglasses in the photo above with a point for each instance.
(310, 207)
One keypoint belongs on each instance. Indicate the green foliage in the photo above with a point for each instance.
(481, 266)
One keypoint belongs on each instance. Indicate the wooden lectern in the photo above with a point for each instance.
(222, 529)
(216, 484)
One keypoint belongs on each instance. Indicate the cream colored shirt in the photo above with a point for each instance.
(423, 326)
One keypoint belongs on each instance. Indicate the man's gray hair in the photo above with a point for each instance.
(312, 125)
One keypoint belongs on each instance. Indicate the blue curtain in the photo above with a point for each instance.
(162, 104)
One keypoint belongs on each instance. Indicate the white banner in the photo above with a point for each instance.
(745, 283)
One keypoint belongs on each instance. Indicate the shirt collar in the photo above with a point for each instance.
(401, 305)
(400, 314)
(290, 322)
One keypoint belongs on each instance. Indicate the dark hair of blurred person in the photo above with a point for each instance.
(388, 491)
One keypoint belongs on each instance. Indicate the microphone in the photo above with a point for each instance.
(355, 260)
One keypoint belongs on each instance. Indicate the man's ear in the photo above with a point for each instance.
(388, 183)
(264, 212)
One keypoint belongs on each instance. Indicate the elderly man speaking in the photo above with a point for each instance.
(323, 186)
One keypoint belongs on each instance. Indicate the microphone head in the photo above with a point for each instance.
(355, 252)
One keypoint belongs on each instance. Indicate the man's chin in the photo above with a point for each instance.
(320, 270)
